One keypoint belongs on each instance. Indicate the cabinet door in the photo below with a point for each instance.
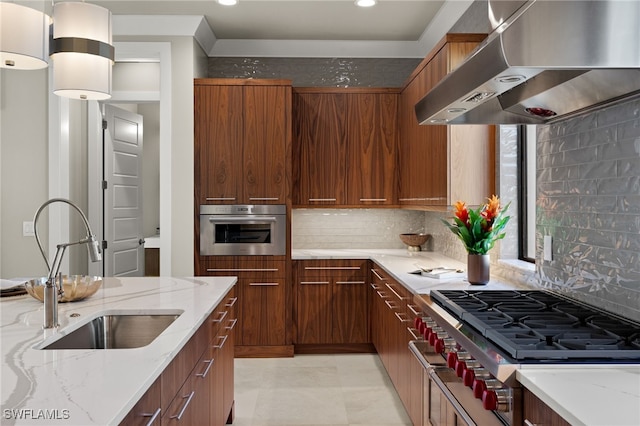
(350, 309)
(263, 314)
(313, 314)
(218, 143)
(372, 157)
(227, 358)
(320, 149)
(266, 141)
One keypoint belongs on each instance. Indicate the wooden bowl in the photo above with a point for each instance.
(414, 241)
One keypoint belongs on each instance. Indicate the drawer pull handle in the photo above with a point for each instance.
(398, 314)
(415, 337)
(349, 282)
(364, 200)
(377, 275)
(417, 313)
(222, 315)
(314, 282)
(233, 324)
(264, 284)
(264, 198)
(332, 268)
(382, 295)
(242, 270)
(231, 302)
(321, 199)
(388, 303)
(220, 198)
(395, 292)
(206, 370)
(224, 339)
(153, 416)
(184, 407)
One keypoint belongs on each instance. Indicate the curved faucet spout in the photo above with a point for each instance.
(93, 245)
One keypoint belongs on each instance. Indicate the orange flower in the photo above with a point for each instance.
(461, 211)
(492, 208)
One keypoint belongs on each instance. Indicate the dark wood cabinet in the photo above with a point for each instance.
(263, 327)
(332, 305)
(442, 164)
(392, 329)
(197, 385)
(242, 130)
(536, 412)
(345, 146)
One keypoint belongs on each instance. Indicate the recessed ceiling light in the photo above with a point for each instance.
(366, 3)
(228, 2)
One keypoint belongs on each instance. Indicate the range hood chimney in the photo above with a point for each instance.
(544, 61)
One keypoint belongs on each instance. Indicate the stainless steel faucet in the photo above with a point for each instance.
(50, 293)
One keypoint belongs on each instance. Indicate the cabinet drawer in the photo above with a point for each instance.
(246, 267)
(332, 268)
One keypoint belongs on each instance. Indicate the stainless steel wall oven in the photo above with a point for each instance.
(243, 230)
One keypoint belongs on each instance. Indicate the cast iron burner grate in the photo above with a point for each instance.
(538, 325)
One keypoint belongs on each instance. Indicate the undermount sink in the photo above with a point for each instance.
(116, 331)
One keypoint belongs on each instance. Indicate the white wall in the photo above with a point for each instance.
(23, 169)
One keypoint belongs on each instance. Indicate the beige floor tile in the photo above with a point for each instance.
(374, 405)
(302, 406)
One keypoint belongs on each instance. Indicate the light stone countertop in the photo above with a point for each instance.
(95, 387)
(595, 395)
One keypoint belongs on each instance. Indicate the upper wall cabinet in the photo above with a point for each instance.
(345, 147)
(442, 164)
(242, 141)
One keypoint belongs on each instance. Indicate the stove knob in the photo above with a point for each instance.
(426, 332)
(439, 346)
(418, 323)
(481, 384)
(462, 366)
(469, 376)
(497, 399)
(434, 335)
(452, 358)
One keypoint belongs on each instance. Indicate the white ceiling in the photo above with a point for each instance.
(392, 28)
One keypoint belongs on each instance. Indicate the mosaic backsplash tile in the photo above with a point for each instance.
(318, 72)
(353, 228)
(589, 202)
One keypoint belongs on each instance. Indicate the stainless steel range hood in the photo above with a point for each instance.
(548, 60)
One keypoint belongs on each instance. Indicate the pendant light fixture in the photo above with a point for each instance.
(24, 37)
(81, 50)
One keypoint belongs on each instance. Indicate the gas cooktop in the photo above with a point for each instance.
(535, 325)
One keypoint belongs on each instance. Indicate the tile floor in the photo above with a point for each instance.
(349, 389)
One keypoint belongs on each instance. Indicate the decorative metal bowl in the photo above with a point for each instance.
(414, 241)
(76, 287)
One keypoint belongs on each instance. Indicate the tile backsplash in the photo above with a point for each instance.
(588, 201)
(353, 228)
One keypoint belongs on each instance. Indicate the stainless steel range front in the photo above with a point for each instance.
(474, 341)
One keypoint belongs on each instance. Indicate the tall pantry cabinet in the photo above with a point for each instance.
(243, 156)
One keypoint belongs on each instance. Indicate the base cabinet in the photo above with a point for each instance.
(536, 412)
(332, 303)
(196, 388)
(263, 296)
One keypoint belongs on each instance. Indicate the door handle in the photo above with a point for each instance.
(141, 241)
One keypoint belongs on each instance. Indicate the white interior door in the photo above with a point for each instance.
(124, 252)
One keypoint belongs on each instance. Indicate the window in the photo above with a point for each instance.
(527, 192)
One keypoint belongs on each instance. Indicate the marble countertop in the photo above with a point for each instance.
(95, 387)
(400, 262)
(596, 395)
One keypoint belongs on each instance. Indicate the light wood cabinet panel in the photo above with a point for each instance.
(442, 164)
(242, 134)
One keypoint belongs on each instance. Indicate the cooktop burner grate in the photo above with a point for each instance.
(538, 325)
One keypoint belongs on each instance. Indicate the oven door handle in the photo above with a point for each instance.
(235, 219)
